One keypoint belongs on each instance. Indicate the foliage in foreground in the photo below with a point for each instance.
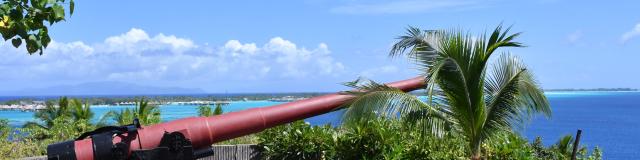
(390, 139)
(206, 111)
(63, 120)
(146, 113)
(378, 139)
(467, 95)
(28, 21)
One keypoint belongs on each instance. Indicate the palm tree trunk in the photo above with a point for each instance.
(476, 153)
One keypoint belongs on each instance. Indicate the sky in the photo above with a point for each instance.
(315, 45)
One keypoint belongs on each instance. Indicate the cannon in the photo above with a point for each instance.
(191, 138)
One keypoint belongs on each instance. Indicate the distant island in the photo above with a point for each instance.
(592, 89)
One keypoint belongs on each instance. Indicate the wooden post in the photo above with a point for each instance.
(575, 145)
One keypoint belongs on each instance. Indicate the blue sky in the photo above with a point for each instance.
(313, 45)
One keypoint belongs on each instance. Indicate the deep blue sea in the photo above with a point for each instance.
(610, 120)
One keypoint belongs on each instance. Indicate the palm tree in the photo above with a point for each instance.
(80, 111)
(465, 94)
(50, 113)
(147, 114)
(218, 110)
(204, 111)
(564, 146)
(123, 117)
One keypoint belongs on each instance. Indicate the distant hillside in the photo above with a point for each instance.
(102, 88)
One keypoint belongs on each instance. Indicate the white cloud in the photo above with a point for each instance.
(405, 6)
(137, 57)
(137, 40)
(635, 32)
(238, 48)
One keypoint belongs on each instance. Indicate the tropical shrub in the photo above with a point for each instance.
(379, 139)
(508, 146)
(146, 113)
(33, 141)
(64, 121)
(467, 95)
(373, 139)
(297, 140)
(206, 111)
(542, 152)
(391, 139)
(563, 148)
(218, 110)
(423, 147)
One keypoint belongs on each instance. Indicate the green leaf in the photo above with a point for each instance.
(8, 34)
(32, 44)
(45, 40)
(71, 7)
(16, 14)
(16, 42)
(41, 3)
(58, 12)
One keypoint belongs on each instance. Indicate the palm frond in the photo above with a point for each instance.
(374, 100)
(564, 145)
(204, 111)
(513, 96)
(80, 110)
(422, 45)
(104, 119)
(499, 39)
(34, 125)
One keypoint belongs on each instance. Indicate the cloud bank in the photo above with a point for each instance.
(136, 56)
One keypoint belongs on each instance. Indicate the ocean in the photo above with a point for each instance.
(610, 120)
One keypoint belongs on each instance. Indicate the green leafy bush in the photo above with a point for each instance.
(433, 148)
(368, 141)
(390, 139)
(298, 140)
(508, 146)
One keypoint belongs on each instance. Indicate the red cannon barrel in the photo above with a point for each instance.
(204, 131)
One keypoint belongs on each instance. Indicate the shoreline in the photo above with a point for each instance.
(25, 107)
(36, 107)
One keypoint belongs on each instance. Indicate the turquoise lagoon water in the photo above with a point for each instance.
(610, 120)
(168, 112)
